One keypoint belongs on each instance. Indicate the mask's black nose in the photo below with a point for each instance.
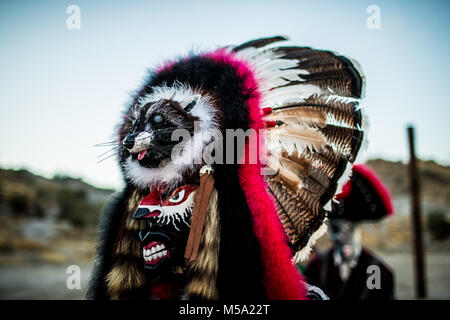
(128, 142)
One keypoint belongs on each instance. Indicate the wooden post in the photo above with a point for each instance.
(419, 258)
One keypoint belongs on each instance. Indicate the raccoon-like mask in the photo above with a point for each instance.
(148, 136)
(149, 139)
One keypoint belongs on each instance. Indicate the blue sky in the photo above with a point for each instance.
(62, 91)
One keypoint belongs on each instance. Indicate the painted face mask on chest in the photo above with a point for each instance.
(168, 216)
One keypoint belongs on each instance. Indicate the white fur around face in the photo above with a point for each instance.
(171, 172)
(142, 177)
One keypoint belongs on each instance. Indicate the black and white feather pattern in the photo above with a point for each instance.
(316, 129)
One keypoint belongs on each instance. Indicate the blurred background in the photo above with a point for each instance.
(67, 69)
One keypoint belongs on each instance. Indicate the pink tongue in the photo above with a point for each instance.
(142, 154)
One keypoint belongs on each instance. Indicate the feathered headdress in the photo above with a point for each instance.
(219, 214)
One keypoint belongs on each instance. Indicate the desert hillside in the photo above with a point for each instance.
(394, 233)
(47, 219)
(37, 208)
(26, 195)
(435, 180)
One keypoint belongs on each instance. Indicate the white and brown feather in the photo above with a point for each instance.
(314, 96)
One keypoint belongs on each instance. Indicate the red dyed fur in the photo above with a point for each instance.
(282, 279)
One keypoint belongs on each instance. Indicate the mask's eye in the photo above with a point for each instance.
(177, 197)
(157, 119)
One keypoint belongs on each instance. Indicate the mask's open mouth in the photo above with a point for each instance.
(152, 156)
(139, 155)
(154, 252)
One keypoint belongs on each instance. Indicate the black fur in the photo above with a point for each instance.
(108, 229)
(240, 272)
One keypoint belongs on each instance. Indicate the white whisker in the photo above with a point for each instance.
(110, 156)
(111, 150)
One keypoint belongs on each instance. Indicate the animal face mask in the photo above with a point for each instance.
(168, 215)
(162, 135)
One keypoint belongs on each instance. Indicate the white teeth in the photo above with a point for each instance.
(155, 252)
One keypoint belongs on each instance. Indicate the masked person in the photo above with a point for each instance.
(228, 159)
(348, 271)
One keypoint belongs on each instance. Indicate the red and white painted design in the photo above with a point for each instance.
(175, 208)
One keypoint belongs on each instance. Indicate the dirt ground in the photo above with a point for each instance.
(41, 282)
(48, 281)
(437, 270)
